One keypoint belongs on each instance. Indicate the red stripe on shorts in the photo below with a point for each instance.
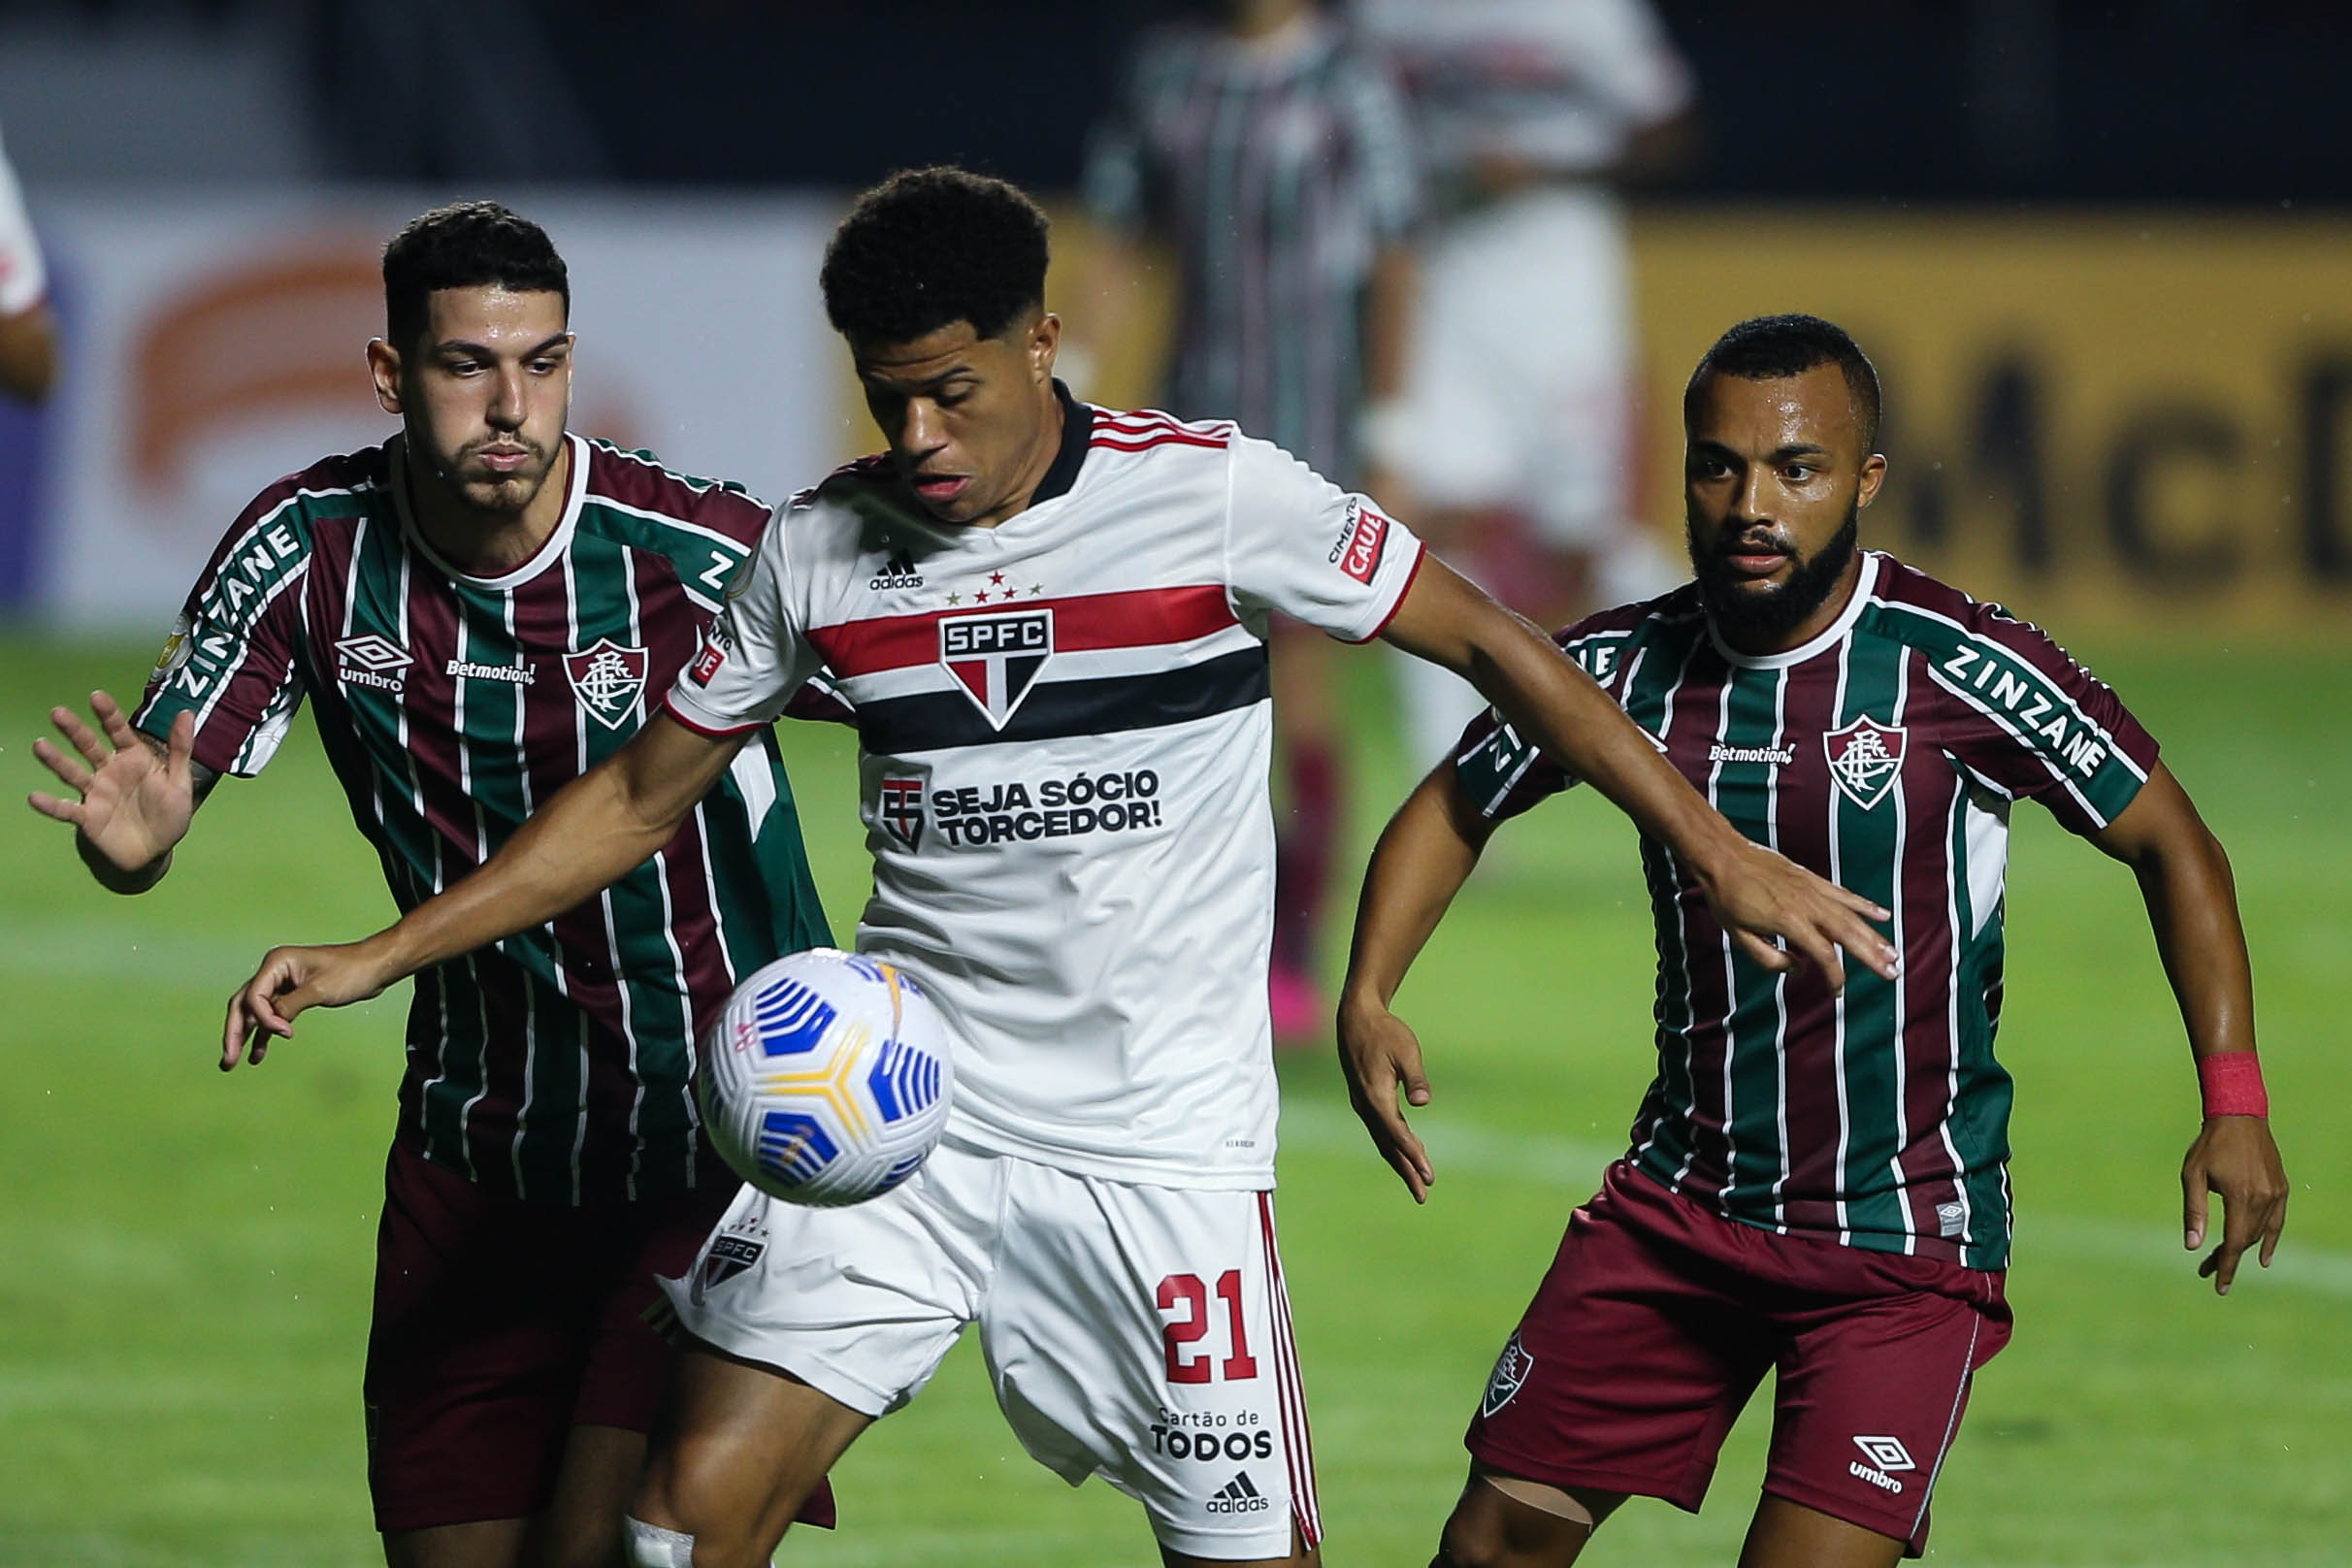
(1298, 1444)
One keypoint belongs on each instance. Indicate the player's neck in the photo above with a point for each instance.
(486, 544)
(1041, 462)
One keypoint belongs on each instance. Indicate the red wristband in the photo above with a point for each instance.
(2231, 1082)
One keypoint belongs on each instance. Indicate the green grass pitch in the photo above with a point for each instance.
(185, 1259)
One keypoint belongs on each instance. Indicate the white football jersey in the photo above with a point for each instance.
(22, 278)
(1064, 733)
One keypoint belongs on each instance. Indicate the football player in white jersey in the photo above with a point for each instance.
(1052, 620)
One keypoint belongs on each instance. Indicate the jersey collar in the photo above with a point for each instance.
(550, 550)
(1077, 426)
(1828, 637)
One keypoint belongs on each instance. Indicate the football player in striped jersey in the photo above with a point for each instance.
(1818, 1181)
(477, 610)
(1052, 620)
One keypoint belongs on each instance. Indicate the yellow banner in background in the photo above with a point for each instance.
(2133, 417)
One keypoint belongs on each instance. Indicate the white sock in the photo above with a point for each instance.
(652, 1547)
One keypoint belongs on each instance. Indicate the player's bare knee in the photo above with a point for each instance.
(1503, 1522)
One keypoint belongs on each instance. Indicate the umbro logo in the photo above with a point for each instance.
(1239, 1495)
(1884, 1453)
(370, 660)
(899, 572)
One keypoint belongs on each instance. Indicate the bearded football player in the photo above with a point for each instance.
(1817, 1182)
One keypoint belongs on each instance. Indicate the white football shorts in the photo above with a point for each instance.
(1138, 1334)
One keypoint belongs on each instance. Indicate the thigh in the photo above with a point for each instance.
(475, 1351)
(1143, 1334)
(1627, 1369)
(861, 1303)
(1869, 1400)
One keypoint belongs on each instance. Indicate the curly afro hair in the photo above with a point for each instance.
(1769, 348)
(465, 245)
(928, 247)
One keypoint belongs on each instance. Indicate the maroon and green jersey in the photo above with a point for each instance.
(556, 1064)
(1884, 754)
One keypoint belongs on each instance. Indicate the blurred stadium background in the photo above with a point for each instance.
(2103, 254)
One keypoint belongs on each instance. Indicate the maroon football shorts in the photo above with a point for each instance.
(500, 1325)
(1657, 1319)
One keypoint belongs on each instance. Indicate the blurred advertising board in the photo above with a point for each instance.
(2132, 417)
(214, 342)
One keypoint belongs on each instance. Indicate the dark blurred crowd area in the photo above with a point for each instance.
(2206, 101)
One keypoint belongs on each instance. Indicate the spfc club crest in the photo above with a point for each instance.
(608, 679)
(1864, 759)
(902, 810)
(1510, 1370)
(730, 1255)
(995, 658)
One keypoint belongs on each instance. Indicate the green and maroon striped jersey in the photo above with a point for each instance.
(1885, 754)
(556, 1064)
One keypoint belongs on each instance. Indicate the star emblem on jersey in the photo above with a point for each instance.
(995, 658)
(1510, 1370)
(1864, 759)
(608, 679)
(902, 810)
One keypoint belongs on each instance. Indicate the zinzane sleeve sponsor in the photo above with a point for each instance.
(1297, 543)
(2031, 722)
(1500, 771)
(753, 656)
(233, 656)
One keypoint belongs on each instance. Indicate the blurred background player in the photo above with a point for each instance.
(1515, 432)
(1272, 155)
(476, 611)
(28, 346)
(1817, 1184)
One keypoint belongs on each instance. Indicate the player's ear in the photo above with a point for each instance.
(1874, 474)
(383, 369)
(1045, 341)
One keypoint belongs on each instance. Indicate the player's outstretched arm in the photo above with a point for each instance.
(134, 796)
(1757, 896)
(2184, 879)
(587, 837)
(1426, 853)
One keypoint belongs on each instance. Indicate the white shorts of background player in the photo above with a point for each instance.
(1138, 1334)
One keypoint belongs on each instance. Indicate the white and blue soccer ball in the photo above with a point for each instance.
(826, 1081)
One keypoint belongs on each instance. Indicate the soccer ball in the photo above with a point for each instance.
(826, 1081)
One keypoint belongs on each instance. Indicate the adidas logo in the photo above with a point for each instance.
(899, 572)
(1238, 1496)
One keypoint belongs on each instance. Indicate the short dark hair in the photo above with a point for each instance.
(466, 245)
(1768, 348)
(930, 248)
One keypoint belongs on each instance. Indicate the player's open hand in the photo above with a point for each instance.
(1780, 913)
(2236, 1158)
(135, 800)
(1383, 1060)
(292, 980)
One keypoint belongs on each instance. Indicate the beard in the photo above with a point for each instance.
(483, 489)
(1752, 617)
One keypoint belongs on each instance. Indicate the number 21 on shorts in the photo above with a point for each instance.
(1185, 1296)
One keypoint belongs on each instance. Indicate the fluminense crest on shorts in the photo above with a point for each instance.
(1864, 759)
(1511, 1369)
(608, 679)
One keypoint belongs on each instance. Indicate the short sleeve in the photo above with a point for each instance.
(753, 658)
(1500, 771)
(233, 656)
(23, 279)
(2030, 721)
(1297, 543)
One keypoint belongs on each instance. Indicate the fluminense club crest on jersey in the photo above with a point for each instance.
(1864, 759)
(903, 809)
(995, 657)
(608, 679)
